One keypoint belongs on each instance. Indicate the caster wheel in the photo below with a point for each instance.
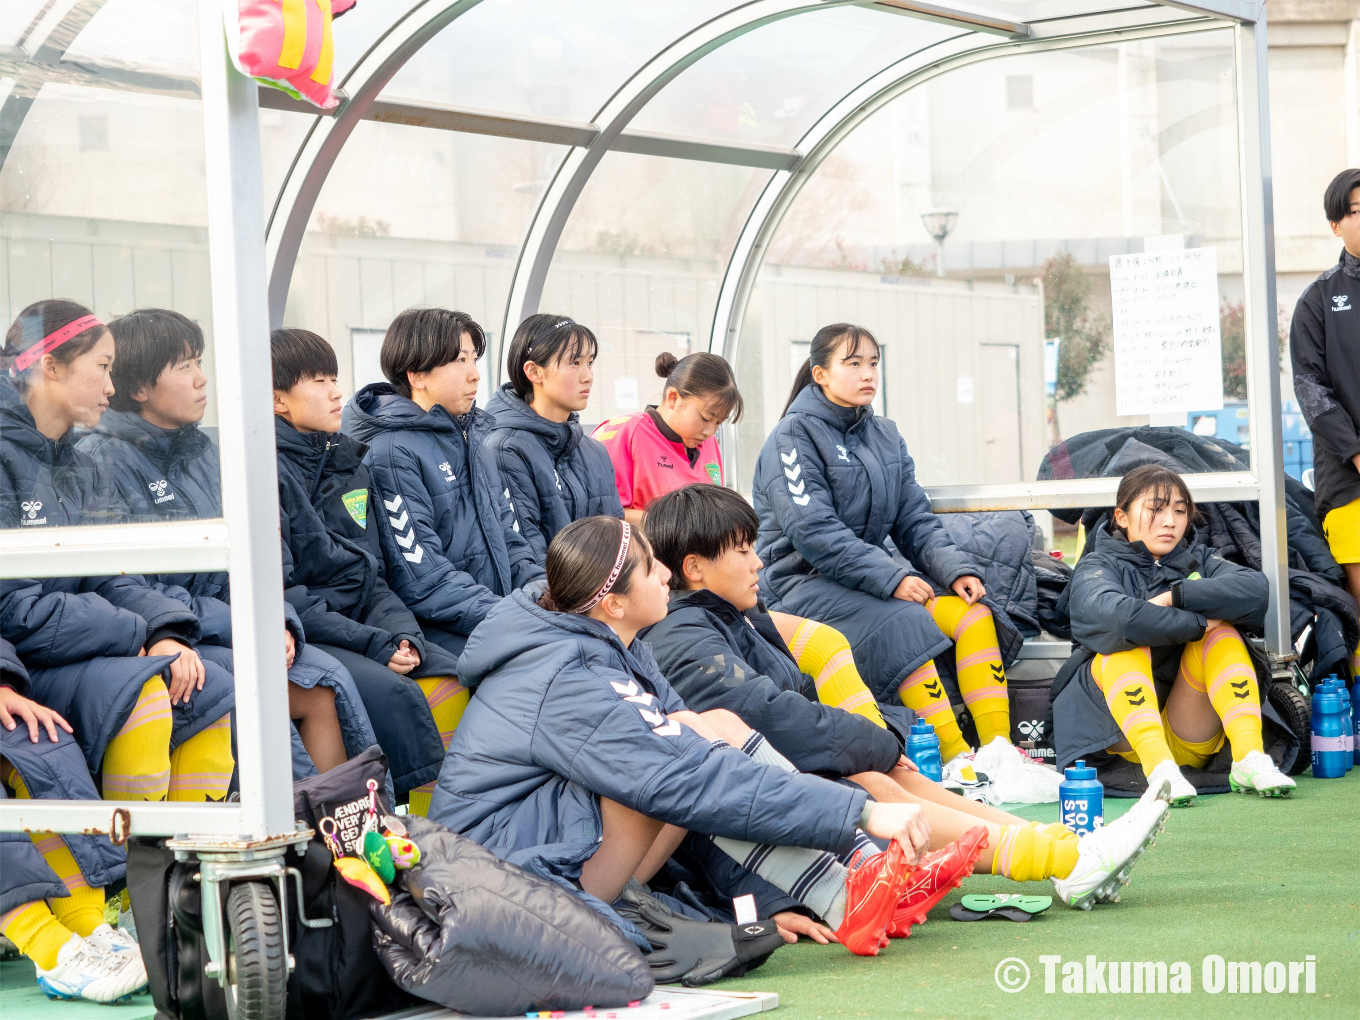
(1295, 710)
(257, 971)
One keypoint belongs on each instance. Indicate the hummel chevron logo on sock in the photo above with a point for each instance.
(1142, 698)
(998, 673)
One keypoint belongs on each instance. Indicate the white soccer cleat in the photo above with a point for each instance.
(1258, 774)
(1182, 793)
(87, 970)
(115, 940)
(1105, 857)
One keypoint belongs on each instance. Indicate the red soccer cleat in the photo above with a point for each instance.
(936, 873)
(872, 891)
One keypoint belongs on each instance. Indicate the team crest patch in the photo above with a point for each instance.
(714, 473)
(356, 503)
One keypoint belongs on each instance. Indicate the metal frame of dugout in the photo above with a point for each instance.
(251, 267)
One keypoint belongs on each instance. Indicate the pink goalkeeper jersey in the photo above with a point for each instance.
(648, 465)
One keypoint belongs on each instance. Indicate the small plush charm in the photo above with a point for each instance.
(374, 850)
(405, 854)
(354, 871)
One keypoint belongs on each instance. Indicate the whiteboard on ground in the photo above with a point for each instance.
(1168, 353)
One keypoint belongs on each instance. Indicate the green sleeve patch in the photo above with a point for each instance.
(356, 503)
(714, 473)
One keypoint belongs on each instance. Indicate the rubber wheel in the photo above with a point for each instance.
(1297, 714)
(257, 971)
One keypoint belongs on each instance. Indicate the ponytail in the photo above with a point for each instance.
(823, 349)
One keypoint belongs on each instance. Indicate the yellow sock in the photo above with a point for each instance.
(1126, 680)
(1355, 665)
(1221, 658)
(419, 801)
(448, 699)
(1055, 830)
(83, 910)
(923, 693)
(1025, 854)
(201, 767)
(137, 761)
(37, 933)
(977, 659)
(824, 654)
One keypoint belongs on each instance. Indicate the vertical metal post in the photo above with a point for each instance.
(1262, 323)
(250, 488)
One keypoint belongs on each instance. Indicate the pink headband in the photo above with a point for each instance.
(52, 341)
(619, 561)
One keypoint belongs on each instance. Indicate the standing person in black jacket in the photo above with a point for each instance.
(555, 473)
(333, 569)
(719, 649)
(1324, 347)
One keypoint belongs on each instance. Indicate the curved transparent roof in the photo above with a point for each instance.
(770, 85)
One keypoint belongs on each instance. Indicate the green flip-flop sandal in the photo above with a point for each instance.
(1011, 906)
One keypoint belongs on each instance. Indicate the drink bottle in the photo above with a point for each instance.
(1081, 799)
(1339, 686)
(923, 748)
(1329, 733)
(1355, 721)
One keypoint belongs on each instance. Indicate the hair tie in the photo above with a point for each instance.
(619, 561)
(52, 341)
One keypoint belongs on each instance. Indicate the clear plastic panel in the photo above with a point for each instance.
(770, 85)
(640, 263)
(141, 35)
(103, 203)
(545, 58)
(1052, 163)
(413, 216)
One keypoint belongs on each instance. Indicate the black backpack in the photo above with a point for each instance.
(336, 976)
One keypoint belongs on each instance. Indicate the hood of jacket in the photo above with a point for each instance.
(1184, 559)
(843, 419)
(378, 408)
(18, 427)
(317, 454)
(511, 411)
(157, 444)
(518, 625)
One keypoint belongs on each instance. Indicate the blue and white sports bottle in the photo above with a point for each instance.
(1339, 686)
(1081, 799)
(1329, 733)
(1355, 722)
(923, 749)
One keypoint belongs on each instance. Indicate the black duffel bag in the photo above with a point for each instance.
(477, 934)
(336, 975)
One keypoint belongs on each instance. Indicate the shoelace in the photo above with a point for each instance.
(90, 960)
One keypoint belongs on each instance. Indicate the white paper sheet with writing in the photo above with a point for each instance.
(1167, 349)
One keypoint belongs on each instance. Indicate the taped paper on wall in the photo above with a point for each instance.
(1167, 348)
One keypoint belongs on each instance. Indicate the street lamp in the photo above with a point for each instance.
(938, 225)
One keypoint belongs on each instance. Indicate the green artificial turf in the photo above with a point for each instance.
(1240, 877)
(1244, 878)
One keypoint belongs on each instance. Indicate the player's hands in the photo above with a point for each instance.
(289, 648)
(14, 708)
(404, 659)
(905, 823)
(187, 673)
(791, 924)
(969, 588)
(1164, 599)
(913, 589)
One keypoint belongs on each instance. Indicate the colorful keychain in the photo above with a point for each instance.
(372, 846)
(353, 870)
(405, 854)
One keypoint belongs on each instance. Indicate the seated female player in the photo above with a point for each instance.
(51, 886)
(833, 484)
(576, 760)
(96, 647)
(1155, 618)
(718, 648)
(555, 473)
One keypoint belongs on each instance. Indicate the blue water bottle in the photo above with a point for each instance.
(1081, 799)
(923, 749)
(1329, 733)
(1339, 686)
(1355, 722)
